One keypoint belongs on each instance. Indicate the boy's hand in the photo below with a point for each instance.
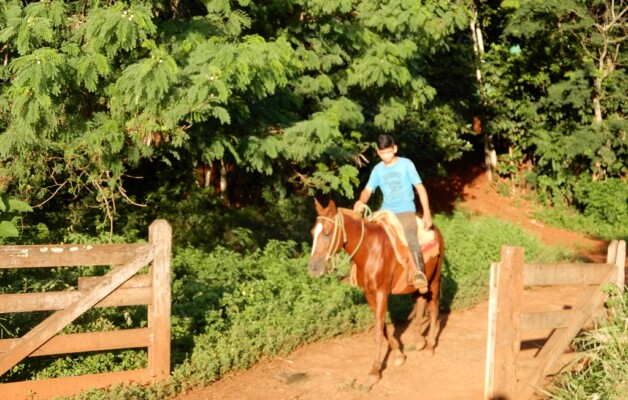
(427, 221)
(359, 207)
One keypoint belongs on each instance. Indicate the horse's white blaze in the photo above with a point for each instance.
(317, 232)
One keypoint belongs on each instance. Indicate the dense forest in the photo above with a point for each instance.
(113, 111)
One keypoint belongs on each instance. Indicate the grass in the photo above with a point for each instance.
(563, 217)
(602, 371)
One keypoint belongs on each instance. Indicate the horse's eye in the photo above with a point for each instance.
(327, 233)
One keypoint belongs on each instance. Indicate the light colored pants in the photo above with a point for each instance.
(410, 229)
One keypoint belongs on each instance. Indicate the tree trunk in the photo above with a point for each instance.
(490, 156)
(597, 85)
(223, 179)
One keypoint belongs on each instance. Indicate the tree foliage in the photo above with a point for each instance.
(291, 92)
(103, 103)
(10, 210)
(556, 89)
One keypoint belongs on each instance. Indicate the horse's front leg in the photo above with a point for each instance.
(379, 304)
(398, 358)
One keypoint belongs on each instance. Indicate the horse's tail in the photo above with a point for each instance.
(441, 260)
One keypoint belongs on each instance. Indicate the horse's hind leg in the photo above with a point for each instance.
(398, 358)
(434, 305)
(419, 320)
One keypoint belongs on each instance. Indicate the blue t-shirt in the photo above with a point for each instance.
(396, 183)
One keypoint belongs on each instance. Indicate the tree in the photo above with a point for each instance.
(555, 91)
(283, 94)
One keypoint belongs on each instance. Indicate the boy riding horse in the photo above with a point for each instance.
(397, 178)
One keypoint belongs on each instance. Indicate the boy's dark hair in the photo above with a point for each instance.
(385, 141)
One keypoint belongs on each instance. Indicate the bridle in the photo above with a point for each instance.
(339, 229)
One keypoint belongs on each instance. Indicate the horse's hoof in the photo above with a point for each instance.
(373, 379)
(420, 343)
(430, 349)
(399, 360)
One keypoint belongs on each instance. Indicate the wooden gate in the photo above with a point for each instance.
(121, 286)
(509, 374)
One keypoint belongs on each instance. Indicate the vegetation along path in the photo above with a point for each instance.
(337, 368)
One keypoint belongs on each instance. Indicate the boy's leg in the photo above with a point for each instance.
(410, 228)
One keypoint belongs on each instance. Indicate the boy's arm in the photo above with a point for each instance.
(425, 205)
(360, 205)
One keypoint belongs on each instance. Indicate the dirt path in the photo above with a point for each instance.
(336, 369)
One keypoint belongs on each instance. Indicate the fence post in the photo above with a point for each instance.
(160, 236)
(489, 382)
(620, 262)
(508, 323)
(611, 253)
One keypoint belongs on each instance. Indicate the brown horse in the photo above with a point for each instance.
(378, 273)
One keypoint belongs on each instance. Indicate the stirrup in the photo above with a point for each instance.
(420, 282)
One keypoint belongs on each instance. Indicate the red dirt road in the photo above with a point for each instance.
(336, 369)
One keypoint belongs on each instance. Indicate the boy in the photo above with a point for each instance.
(397, 178)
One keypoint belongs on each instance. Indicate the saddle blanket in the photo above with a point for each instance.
(427, 237)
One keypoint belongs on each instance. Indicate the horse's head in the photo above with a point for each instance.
(326, 238)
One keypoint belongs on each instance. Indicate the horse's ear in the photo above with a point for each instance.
(319, 207)
(331, 207)
(329, 210)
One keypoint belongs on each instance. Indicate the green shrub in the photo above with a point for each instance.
(471, 245)
(201, 220)
(600, 209)
(568, 218)
(605, 201)
(602, 373)
(271, 307)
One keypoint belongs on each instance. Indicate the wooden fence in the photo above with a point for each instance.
(121, 286)
(516, 366)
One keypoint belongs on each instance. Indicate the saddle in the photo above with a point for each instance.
(427, 237)
(394, 229)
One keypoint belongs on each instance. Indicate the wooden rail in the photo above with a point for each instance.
(121, 286)
(510, 376)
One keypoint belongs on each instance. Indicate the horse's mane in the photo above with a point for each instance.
(350, 213)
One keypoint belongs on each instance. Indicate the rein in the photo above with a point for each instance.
(339, 228)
